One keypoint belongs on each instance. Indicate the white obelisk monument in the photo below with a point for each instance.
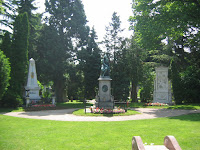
(32, 85)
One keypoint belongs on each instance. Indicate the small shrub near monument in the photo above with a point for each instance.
(155, 104)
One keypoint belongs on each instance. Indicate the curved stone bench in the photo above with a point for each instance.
(170, 143)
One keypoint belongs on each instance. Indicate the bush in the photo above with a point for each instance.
(11, 100)
(4, 74)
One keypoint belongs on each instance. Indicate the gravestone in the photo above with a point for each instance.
(104, 99)
(162, 86)
(32, 85)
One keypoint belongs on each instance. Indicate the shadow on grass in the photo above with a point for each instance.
(108, 115)
(190, 107)
(188, 117)
(3, 110)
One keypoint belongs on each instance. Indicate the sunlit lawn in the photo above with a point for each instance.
(20, 133)
(78, 104)
(186, 106)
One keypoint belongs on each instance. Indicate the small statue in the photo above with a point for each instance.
(105, 68)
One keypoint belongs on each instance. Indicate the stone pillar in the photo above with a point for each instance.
(27, 101)
(32, 84)
(162, 86)
(53, 100)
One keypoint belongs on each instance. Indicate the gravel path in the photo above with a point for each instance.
(66, 115)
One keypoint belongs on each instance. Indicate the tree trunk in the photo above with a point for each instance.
(59, 90)
(134, 92)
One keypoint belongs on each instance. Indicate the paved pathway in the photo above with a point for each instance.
(66, 115)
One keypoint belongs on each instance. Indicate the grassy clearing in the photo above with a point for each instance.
(81, 112)
(20, 133)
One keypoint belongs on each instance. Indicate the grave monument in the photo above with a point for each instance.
(32, 88)
(162, 86)
(104, 99)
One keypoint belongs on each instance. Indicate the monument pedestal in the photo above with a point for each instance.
(105, 100)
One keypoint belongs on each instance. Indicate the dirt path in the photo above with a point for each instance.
(66, 115)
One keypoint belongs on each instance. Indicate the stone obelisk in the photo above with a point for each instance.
(32, 85)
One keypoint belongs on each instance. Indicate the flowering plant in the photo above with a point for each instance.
(107, 111)
(155, 104)
(44, 105)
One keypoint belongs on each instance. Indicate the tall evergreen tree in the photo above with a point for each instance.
(34, 22)
(18, 60)
(6, 45)
(114, 45)
(68, 18)
(4, 75)
(90, 63)
(134, 58)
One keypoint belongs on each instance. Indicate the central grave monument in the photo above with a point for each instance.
(104, 99)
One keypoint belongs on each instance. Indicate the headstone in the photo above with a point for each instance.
(104, 99)
(32, 85)
(162, 86)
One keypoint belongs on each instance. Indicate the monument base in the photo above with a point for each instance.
(105, 105)
(33, 94)
(105, 99)
(162, 97)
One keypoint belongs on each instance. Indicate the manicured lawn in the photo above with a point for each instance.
(78, 104)
(186, 106)
(81, 112)
(20, 133)
(66, 105)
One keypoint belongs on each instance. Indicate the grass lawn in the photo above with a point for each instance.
(78, 104)
(186, 106)
(81, 112)
(20, 133)
(66, 105)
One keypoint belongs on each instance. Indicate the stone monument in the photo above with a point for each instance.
(162, 86)
(32, 86)
(104, 99)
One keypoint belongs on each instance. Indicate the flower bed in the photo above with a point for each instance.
(38, 107)
(155, 104)
(106, 111)
(44, 105)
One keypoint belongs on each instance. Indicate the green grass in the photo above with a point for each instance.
(81, 112)
(186, 106)
(20, 133)
(18, 109)
(65, 105)
(74, 104)
(78, 104)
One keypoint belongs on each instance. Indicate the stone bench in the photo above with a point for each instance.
(170, 143)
